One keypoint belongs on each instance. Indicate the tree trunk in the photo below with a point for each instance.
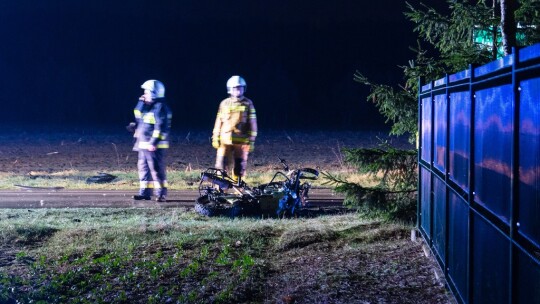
(508, 25)
(495, 45)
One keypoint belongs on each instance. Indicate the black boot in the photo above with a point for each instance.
(161, 195)
(142, 197)
(145, 194)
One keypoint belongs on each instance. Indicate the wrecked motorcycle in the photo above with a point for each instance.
(285, 195)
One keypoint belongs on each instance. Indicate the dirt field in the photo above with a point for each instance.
(38, 150)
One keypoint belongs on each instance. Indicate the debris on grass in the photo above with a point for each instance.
(100, 178)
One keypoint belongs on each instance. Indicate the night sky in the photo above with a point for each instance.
(81, 63)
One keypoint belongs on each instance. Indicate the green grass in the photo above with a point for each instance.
(126, 180)
(174, 255)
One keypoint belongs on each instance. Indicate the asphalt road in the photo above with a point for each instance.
(47, 198)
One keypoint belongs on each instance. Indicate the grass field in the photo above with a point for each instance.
(176, 256)
(173, 255)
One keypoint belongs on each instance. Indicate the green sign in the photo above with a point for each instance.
(484, 38)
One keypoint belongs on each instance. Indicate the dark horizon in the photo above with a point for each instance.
(74, 63)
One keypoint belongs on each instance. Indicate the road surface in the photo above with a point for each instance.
(47, 198)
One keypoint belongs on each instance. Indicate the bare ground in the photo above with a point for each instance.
(25, 151)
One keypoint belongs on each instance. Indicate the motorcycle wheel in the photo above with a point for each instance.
(207, 207)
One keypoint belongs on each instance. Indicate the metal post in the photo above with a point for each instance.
(446, 179)
(470, 229)
(419, 157)
(515, 179)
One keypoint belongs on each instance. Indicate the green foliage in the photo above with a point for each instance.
(394, 196)
(452, 35)
(398, 106)
(451, 40)
(398, 167)
(101, 274)
(528, 15)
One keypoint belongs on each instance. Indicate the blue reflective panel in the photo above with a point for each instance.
(439, 82)
(459, 76)
(490, 261)
(528, 279)
(439, 216)
(493, 126)
(458, 240)
(440, 132)
(426, 129)
(493, 66)
(425, 202)
(459, 140)
(528, 53)
(529, 160)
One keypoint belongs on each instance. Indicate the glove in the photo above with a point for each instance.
(251, 147)
(215, 143)
(131, 127)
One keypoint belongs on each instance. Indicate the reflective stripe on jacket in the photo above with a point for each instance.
(153, 124)
(236, 121)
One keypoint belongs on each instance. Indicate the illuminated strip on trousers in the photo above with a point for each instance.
(146, 184)
(158, 185)
(161, 144)
(153, 185)
(159, 134)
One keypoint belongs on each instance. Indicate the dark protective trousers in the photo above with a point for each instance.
(152, 172)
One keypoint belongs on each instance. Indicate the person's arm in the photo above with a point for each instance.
(217, 129)
(253, 126)
(137, 112)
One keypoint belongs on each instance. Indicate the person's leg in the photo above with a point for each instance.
(146, 183)
(225, 157)
(221, 159)
(159, 175)
(240, 155)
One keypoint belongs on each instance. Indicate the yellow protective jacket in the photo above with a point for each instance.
(236, 122)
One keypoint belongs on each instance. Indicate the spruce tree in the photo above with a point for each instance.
(468, 33)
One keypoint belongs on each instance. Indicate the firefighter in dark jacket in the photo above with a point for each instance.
(153, 124)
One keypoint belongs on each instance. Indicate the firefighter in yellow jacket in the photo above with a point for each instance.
(235, 129)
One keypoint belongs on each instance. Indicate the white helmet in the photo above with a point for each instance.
(235, 81)
(156, 88)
